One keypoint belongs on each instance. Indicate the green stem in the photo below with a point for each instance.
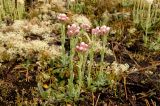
(104, 39)
(73, 42)
(91, 57)
(80, 72)
(155, 15)
(148, 24)
(63, 37)
(84, 63)
(68, 4)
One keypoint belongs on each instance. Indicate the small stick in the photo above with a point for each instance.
(125, 88)
(97, 100)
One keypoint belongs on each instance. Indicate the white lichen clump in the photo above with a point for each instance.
(79, 19)
(16, 43)
(150, 1)
(118, 69)
(98, 47)
(18, 24)
(21, 1)
(59, 4)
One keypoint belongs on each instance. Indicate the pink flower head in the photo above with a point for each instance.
(73, 30)
(104, 29)
(85, 27)
(96, 31)
(82, 47)
(62, 17)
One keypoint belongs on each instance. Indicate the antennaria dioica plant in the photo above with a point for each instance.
(77, 6)
(145, 15)
(79, 61)
(13, 9)
(126, 3)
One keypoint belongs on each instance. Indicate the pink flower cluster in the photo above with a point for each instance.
(100, 30)
(82, 47)
(73, 30)
(85, 27)
(62, 17)
(95, 31)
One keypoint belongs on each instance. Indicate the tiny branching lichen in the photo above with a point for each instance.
(16, 43)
